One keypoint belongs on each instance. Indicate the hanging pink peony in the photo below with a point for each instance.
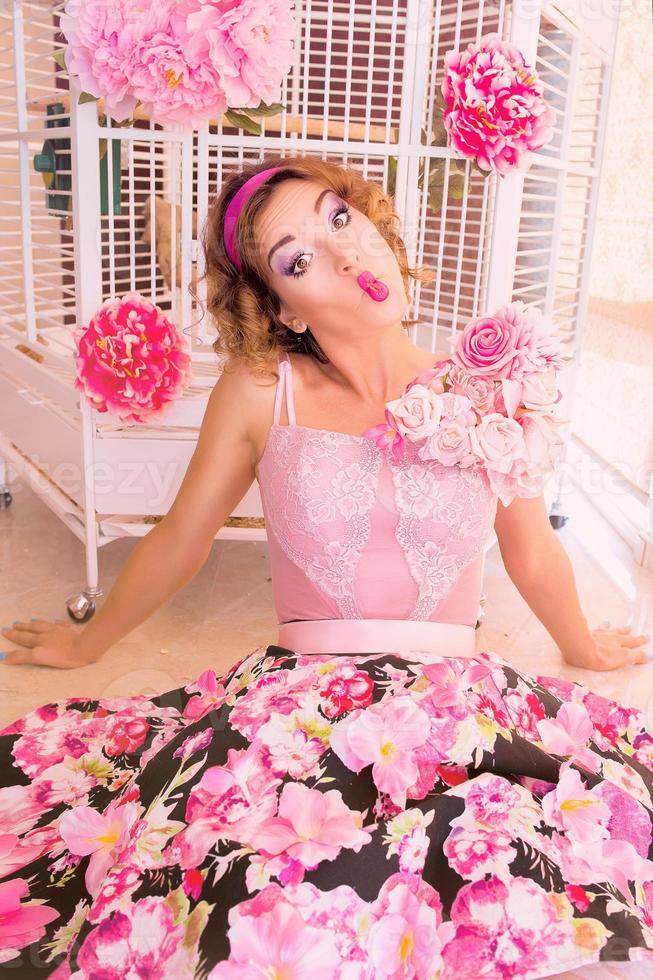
(184, 60)
(494, 110)
(132, 361)
(100, 35)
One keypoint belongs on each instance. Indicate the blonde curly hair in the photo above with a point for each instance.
(244, 306)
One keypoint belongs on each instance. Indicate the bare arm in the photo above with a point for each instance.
(219, 474)
(541, 570)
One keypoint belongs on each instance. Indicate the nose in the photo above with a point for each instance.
(346, 255)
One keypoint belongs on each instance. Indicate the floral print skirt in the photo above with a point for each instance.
(354, 816)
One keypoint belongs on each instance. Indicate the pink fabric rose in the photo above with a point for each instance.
(542, 440)
(494, 108)
(416, 413)
(538, 345)
(479, 390)
(539, 391)
(451, 443)
(498, 442)
(487, 346)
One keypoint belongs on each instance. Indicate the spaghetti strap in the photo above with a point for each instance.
(284, 384)
(290, 394)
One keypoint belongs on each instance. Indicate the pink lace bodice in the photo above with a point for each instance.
(353, 534)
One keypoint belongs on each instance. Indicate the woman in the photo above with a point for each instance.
(369, 797)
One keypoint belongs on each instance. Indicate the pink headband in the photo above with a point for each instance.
(235, 206)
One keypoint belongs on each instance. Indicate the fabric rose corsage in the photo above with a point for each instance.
(490, 404)
(131, 360)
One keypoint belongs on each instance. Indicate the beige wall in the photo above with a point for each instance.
(614, 403)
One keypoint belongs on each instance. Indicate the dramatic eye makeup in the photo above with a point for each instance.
(289, 268)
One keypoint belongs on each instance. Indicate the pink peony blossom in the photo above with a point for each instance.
(344, 688)
(489, 800)
(494, 110)
(124, 734)
(185, 61)
(525, 709)
(248, 43)
(473, 854)
(116, 892)
(228, 802)
(629, 819)
(289, 749)
(174, 89)
(100, 36)
(143, 941)
(271, 693)
(311, 826)
(494, 934)
(132, 360)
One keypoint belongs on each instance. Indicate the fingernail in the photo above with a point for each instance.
(3, 654)
(650, 656)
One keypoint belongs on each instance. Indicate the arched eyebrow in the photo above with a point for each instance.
(291, 238)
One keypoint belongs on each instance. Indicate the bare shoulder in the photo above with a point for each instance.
(242, 400)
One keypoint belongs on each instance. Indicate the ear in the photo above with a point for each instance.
(287, 317)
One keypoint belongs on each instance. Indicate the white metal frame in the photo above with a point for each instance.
(128, 473)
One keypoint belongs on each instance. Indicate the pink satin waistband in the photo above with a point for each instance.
(378, 636)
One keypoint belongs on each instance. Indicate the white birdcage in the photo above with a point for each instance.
(90, 210)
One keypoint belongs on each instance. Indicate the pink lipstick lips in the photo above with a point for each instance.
(374, 288)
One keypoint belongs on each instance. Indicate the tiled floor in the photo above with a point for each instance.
(227, 610)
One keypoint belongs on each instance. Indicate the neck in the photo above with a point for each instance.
(375, 368)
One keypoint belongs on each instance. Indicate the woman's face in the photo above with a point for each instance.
(313, 248)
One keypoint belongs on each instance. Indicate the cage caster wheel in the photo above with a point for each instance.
(5, 499)
(80, 608)
(557, 521)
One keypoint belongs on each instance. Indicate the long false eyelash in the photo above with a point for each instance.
(344, 209)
